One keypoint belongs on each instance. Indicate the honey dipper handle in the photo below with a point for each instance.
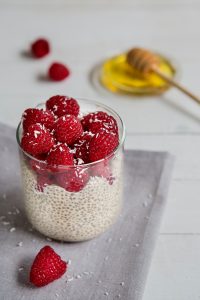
(174, 83)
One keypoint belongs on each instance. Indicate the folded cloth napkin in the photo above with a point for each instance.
(112, 266)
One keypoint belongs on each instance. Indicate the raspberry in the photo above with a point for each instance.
(96, 121)
(68, 129)
(34, 115)
(58, 72)
(102, 144)
(40, 48)
(59, 155)
(43, 181)
(37, 140)
(40, 167)
(63, 105)
(73, 180)
(47, 267)
(102, 169)
(81, 147)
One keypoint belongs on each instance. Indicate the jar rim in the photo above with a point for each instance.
(90, 164)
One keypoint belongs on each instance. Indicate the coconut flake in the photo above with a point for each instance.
(12, 229)
(6, 223)
(19, 244)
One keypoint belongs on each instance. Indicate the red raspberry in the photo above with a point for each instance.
(102, 144)
(95, 121)
(47, 267)
(63, 105)
(102, 169)
(58, 72)
(34, 115)
(73, 180)
(68, 129)
(59, 155)
(40, 48)
(40, 167)
(43, 181)
(81, 147)
(37, 140)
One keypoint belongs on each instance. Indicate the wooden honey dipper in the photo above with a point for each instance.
(145, 62)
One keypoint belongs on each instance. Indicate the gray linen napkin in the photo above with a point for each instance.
(112, 266)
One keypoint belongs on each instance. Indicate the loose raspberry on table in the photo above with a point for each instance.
(37, 140)
(63, 105)
(68, 129)
(34, 115)
(47, 267)
(40, 48)
(58, 72)
(81, 147)
(73, 180)
(59, 155)
(102, 144)
(95, 121)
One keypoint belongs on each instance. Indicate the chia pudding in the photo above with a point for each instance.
(88, 203)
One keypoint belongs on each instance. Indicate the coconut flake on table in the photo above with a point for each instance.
(19, 244)
(12, 229)
(17, 211)
(145, 204)
(69, 262)
(86, 273)
(70, 279)
(6, 223)
(4, 196)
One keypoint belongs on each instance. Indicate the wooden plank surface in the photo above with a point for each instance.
(85, 32)
(175, 269)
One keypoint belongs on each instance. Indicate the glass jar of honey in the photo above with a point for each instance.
(119, 77)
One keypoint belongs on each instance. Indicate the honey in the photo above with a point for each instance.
(119, 77)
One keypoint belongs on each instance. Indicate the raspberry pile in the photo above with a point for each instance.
(62, 142)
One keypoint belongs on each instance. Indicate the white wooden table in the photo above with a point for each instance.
(83, 33)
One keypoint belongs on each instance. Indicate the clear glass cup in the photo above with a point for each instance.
(62, 214)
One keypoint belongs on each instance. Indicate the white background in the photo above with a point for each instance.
(82, 34)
